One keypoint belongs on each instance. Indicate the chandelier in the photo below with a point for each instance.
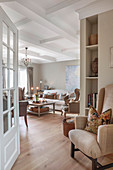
(26, 60)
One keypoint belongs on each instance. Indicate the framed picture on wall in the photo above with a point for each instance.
(72, 79)
(111, 57)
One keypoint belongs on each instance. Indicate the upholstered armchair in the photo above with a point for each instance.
(23, 105)
(92, 145)
(72, 106)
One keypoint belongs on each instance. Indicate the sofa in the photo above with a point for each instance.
(56, 96)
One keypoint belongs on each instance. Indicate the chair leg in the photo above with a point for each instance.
(25, 118)
(94, 164)
(72, 150)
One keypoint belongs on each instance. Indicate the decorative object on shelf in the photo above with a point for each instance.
(93, 39)
(94, 67)
(26, 60)
(111, 57)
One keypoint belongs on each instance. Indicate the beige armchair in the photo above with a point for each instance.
(94, 146)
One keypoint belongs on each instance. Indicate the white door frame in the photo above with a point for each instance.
(9, 141)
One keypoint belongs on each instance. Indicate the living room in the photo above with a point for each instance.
(57, 53)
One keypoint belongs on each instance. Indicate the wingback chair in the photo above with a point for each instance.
(73, 107)
(94, 146)
(23, 105)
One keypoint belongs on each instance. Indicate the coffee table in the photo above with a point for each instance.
(39, 105)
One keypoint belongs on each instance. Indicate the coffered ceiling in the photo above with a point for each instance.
(49, 28)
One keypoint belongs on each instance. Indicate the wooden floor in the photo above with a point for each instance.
(44, 147)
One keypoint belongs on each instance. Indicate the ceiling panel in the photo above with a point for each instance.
(14, 16)
(39, 30)
(47, 3)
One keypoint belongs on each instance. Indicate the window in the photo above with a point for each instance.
(22, 77)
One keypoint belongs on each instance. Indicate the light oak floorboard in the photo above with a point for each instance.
(44, 147)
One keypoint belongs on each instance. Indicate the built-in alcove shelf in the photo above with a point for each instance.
(91, 53)
(92, 78)
(92, 47)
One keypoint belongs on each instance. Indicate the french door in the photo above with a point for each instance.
(9, 131)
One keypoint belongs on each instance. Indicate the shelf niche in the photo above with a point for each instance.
(91, 80)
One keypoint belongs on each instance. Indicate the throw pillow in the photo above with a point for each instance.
(57, 96)
(44, 95)
(106, 117)
(50, 96)
(95, 120)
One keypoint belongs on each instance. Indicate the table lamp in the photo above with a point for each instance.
(37, 88)
(32, 88)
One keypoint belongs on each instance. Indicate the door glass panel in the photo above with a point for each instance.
(5, 100)
(12, 117)
(11, 78)
(4, 58)
(11, 98)
(5, 120)
(11, 59)
(5, 77)
(11, 39)
(5, 33)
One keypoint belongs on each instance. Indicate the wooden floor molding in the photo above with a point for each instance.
(44, 147)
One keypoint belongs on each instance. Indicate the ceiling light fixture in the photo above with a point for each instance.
(26, 60)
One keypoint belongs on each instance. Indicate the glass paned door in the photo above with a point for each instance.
(9, 133)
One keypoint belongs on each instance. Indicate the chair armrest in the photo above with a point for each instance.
(105, 138)
(80, 122)
(23, 102)
(23, 107)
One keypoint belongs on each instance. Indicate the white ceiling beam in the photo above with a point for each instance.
(33, 39)
(3, 1)
(37, 55)
(70, 49)
(22, 22)
(95, 8)
(61, 5)
(75, 4)
(49, 40)
(49, 58)
(33, 5)
(22, 47)
(27, 11)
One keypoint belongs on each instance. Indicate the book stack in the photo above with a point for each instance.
(92, 99)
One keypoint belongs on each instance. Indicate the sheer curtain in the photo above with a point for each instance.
(29, 79)
(22, 77)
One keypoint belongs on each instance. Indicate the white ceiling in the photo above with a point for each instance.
(49, 28)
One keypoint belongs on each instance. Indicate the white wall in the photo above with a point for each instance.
(105, 42)
(53, 74)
